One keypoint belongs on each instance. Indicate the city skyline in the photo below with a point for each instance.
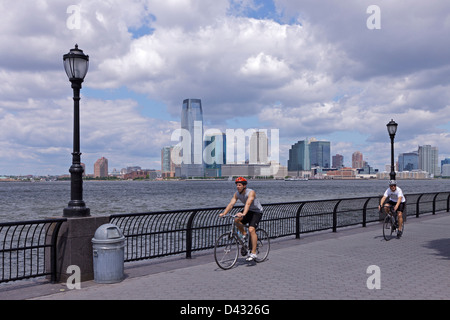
(337, 72)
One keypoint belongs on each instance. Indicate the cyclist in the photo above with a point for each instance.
(251, 214)
(397, 200)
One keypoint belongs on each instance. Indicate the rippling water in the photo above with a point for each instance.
(29, 201)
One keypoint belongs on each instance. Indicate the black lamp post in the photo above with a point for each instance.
(76, 64)
(392, 129)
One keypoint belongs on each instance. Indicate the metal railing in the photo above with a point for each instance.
(155, 234)
(26, 246)
(29, 248)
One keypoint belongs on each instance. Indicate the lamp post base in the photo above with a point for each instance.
(76, 212)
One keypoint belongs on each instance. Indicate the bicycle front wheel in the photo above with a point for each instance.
(388, 227)
(263, 246)
(226, 251)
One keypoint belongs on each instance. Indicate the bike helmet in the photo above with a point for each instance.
(241, 180)
(392, 183)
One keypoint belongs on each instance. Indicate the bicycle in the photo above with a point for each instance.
(390, 223)
(226, 248)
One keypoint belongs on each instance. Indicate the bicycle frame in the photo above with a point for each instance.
(233, 232)
(228, 240)
(391, 211)
(390, 222)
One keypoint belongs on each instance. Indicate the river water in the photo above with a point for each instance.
(21, 201)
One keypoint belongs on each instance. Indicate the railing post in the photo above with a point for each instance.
(434, 203)
(417, 205)
(365, 212)
(53, 253)
(189, 235)
(448, 202)
(335, 216)
(297, 221)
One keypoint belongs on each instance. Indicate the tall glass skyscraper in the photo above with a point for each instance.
(408, 161)
(192, 121)
(299, 157)
(215, 150)
(319, 154)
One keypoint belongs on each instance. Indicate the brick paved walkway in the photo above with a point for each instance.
(318, 266)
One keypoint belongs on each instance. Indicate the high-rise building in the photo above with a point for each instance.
(167, 165)
(446, 163)
(215, 154)
(408, 161)
(259, 148)
(101, 168)
(192, 121)
(319, 153)
(357, 160)
(338, 161)
(299, 157)
(428, 159)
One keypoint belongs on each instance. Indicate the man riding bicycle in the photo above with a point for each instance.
(396, 200)
(251, 214)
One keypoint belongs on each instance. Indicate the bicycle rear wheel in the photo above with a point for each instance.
(388, 227)
(263, 246)
(226, 251)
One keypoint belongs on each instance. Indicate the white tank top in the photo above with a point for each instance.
(255, 206)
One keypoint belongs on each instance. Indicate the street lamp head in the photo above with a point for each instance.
(76, 64)
(392, 128)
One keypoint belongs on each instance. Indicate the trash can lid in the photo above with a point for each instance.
(108, 232)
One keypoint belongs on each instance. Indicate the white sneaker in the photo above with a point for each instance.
(251, 257)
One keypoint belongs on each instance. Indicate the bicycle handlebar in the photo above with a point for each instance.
(386, 205)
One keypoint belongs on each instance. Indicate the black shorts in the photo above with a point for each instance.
(252, 218)
(401, 207)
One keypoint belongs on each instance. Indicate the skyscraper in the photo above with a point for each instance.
(319, 153)
(215, 154)
(357, 160)
(259, 148)
(192, 121)
(167, 165)
(299, 157)
(428, 159)
(338, 161)
(408, 161)
(101, 168)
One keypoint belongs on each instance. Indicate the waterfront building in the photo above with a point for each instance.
(408, 161)
(259, 148)
(101, 168)
(357, 160)
(443, 163)
(445, 170)
(415, 174)
(343, 173)
(192, 121)
(337, 161)
(319, 153)
(299, 159)
(428, 159)
(167, 165)
(271, 169)
(215, 154)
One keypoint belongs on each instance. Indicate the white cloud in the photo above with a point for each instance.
(321, 73)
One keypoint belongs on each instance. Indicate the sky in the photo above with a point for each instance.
(333, 70)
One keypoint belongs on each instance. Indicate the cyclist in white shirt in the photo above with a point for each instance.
(396, 199)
